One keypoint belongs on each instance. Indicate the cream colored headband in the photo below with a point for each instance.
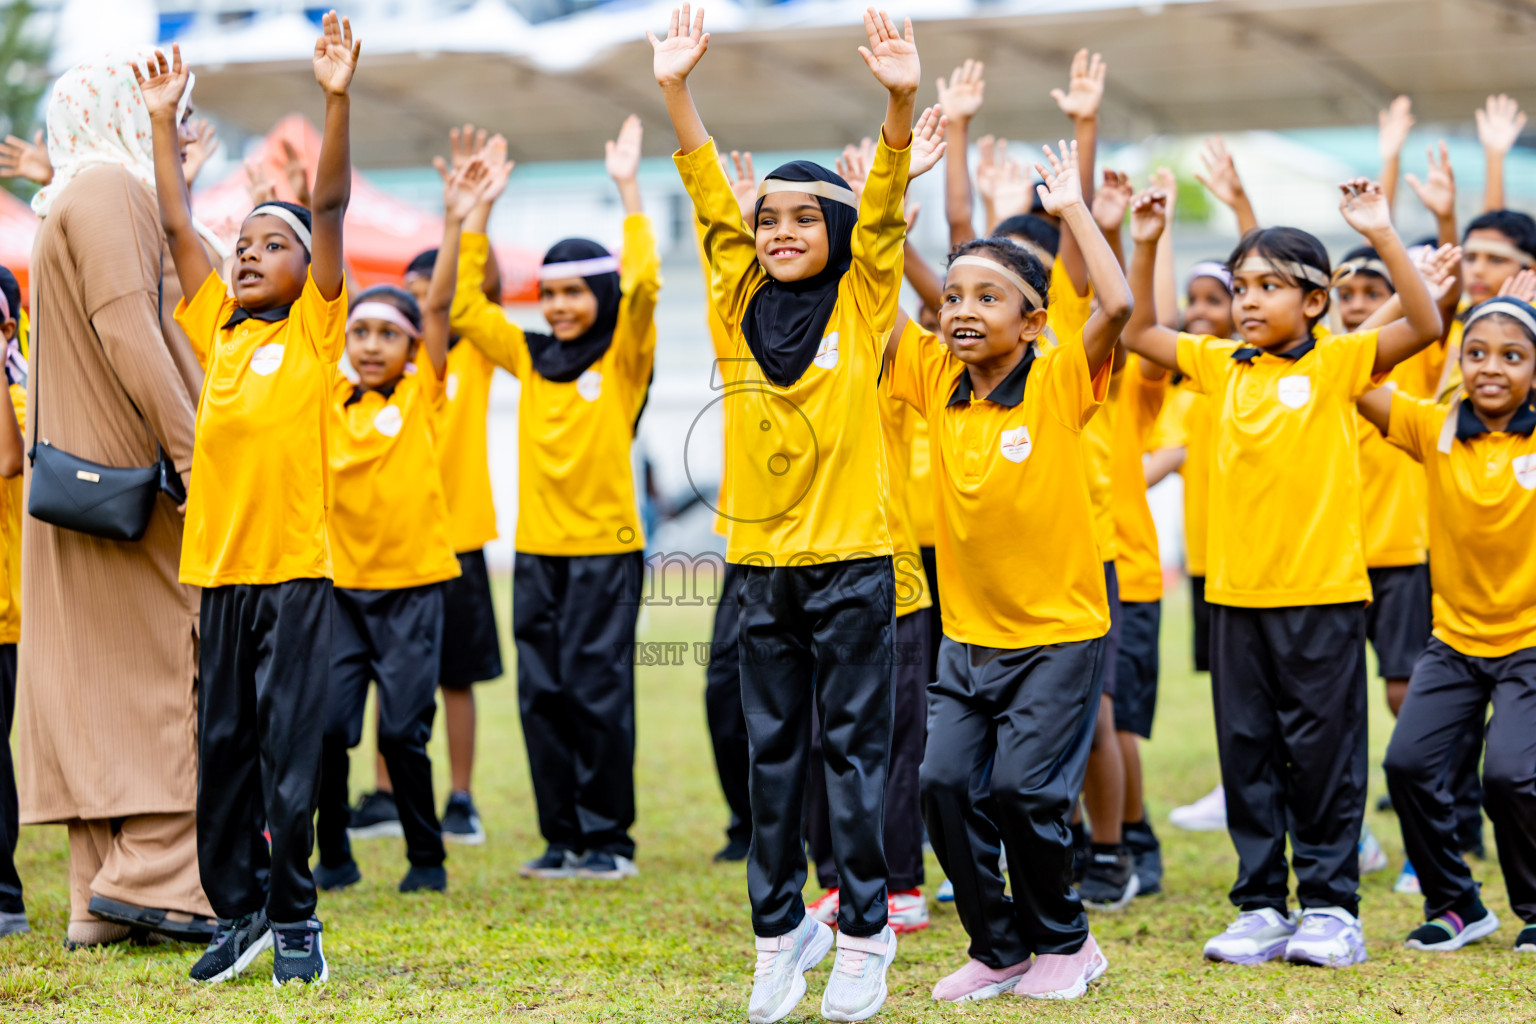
(1037, 251)
(1488, 247)
(1284, 268)
(1361, 265)
(824, 189)
(1030, 295)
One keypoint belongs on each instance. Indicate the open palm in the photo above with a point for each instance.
(891, 57)
(1364, 206)
(162, 82)
(335, 54)
(623, 156)
(673, 58)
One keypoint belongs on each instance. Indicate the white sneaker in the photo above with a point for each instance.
(778, 982)
(1208, 814)
(857, 989)
(1327, 937)
(825, 908)
(1372, 856)
(1256, 937)
(906, 911)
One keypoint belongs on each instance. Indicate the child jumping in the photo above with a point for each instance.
(257, 539)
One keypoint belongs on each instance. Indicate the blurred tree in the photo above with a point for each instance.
(23, 77)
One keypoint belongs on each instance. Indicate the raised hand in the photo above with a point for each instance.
(987, 166)
(743, 183)
(892, 58)
(1438, 189)
(1499, 123)
(1522, 286)
(928, 143)
(493, 157)
(1085, 87)
(1393, 125)
(464, 144)
(1166, 182)
(675, 57)
(960, 97)
(1149, 216)
(622, 157)
(1438, 268)
(853, 164)
(1364, 206)
(162, 83)
(202, 145)
(1060, 187)
(258, 184)
(465, 188)
(1220, 172)
(1111, 200)
(22, 159)
(336, 54)
(296, 174)
(1010, 189)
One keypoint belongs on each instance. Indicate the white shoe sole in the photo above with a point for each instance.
(1471, 933)
(472, 839)
(1131, 889)
(378, 830)
(815, 952)
(1095, 971)
(985, 992)
(237, 968)
(865, 1012)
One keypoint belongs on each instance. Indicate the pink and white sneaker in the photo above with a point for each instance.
(1063, 976)
(976, 981)
(907, 911)
(825, 909)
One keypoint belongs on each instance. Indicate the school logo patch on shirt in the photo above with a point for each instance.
(451, 386)
(826, 352)
(1016, 445)
(1295, 391)
(266, 359)
(1525, 471)
(589, 385)
(388, 420)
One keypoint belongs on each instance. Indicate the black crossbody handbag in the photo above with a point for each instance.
(87, 497)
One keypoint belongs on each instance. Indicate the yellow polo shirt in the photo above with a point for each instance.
(899, 422)
(576, 489)
(10, 535)
(1393, 489)
(1482, 516)
(1018, 562)
(260, 488)
(921, 494)
(805, 475)
(463, 452)
(389, 520)
(720, 341)
(1185, 423)
(1137, 562)
(1285, 517)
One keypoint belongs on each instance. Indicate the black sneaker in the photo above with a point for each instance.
(461, 822)
(557, 862)
(298, 956)
(425, 879)
(1147, 853)
(1451, 931)
(606, 866)
(233, 946)
(733, 851)
(375, 817)
(1525, 942)
(1109, 882)
(337, 878)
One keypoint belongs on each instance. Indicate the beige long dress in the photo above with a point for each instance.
(106, 711)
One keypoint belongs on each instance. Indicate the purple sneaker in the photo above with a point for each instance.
(1327, 937)
(1256, 937)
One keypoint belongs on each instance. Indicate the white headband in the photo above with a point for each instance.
(579, 268)
(1034, 249)
(1284, 268)
(383, 311)
(1215, 271)
(1519, 310)
(1489, 247)
(288, 217)
(1361, 264)
(1030, 295)
(824, 189)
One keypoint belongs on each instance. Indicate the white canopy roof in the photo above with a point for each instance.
(788, 76)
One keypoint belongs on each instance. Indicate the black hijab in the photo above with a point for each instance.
(564, 361)
(785, 321)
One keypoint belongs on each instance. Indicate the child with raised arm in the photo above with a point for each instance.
(393, 550)
(257, 539)
(1287, 580)
(1011, 715)
(808, 291)
(1480, 458)
(578, 574)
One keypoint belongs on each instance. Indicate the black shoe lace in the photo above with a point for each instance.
(296, 942)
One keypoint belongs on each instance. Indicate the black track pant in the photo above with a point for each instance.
(574, 622)
(10, 883)
(1449, 693)
(1290, 693)
(817, 640)
(263, 671)
(393, 638)
(903, 812)
(1008, 738)
(722, 705)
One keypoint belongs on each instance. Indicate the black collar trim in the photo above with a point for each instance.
(1009, 392)
(388, 391)
(275, 315)
(1469, 424)
(1248, 353)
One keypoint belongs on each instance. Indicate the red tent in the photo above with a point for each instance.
(18, 225)
(382, 232)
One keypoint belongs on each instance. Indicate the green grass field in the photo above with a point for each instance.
(676, 945)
